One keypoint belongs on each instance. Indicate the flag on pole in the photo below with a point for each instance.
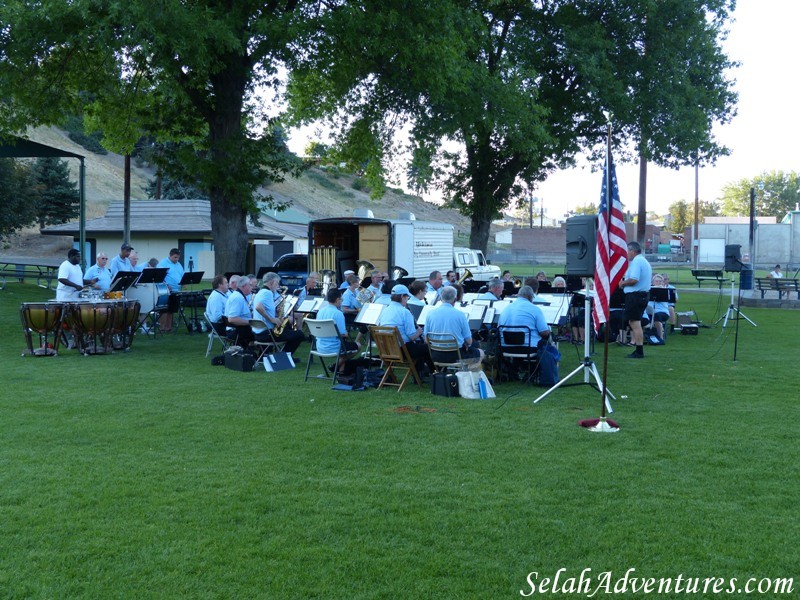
(611, 257)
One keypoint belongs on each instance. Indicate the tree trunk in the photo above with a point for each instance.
(229, 230)
(641, 221)
(479, 233)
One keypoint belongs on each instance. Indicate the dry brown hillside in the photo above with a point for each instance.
(317, 194)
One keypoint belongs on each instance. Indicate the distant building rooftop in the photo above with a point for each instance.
(159, 216)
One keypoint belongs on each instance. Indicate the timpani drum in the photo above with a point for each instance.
(92, 324)
(43, 319)
(125, 322)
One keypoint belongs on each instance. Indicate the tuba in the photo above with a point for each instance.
(398, 273)
(464, 276)
(364, 268)
(328, 280)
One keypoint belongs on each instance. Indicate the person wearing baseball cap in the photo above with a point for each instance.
(121, 262)
(344, 285)
(396, 314)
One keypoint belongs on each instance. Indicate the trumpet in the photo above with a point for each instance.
(464, 276)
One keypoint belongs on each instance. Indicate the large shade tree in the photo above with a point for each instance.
(496, 95)
(187, 72)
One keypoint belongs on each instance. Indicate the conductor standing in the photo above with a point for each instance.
(636, 286)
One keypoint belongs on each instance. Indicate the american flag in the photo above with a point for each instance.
(611, 258)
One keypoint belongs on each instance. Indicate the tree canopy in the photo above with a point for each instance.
(776, 193)
(496, 95)
(195, 73)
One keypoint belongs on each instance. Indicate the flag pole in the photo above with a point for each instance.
(602, 425)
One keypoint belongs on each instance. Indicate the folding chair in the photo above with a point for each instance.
(514, 347)
(213, 335)
(445, 342)
(323, 328)
(394, 356)
(263, 348)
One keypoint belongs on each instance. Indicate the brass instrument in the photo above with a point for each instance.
(282, 310)
(397, 273)
(328, 280)
(364, 295)
(364, 268)
(464, 276)
(517, 282)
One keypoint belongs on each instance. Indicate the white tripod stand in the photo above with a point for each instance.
(587, 366)
(732, 309)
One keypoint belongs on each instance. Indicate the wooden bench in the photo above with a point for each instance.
(782, 286)
(708, 275)
(45, 275)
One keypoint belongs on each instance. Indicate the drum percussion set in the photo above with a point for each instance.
(97, 326)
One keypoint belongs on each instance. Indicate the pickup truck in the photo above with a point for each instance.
(475, 261)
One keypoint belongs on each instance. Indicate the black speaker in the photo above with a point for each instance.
(733, 258)
(581, 245)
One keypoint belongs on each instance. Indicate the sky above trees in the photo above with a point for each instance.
(763, 136)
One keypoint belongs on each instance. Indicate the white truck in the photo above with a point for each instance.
(475, 261)
(418, 247)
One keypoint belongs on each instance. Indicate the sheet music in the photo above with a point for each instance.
(310, 305)
(489, 315)
(369, 314)
(554, 312)
(289, 304)
(500, 306)
(483, 302)
(424, 314)
(470, 297)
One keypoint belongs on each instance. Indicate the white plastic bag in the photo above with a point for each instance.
(474, 384)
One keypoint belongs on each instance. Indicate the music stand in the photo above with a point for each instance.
(123, 280)
(189, 279)
(153, 275)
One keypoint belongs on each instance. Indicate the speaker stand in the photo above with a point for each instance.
(733, 310)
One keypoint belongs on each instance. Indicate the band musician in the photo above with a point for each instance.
(264, 306)
(447, 319)
(328, 345)
(238, 315)
(215, 305)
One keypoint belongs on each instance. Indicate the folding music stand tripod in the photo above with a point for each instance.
(189, 279)
(587, 366)
(733, 310)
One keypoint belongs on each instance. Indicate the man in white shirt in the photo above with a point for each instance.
(70, 278)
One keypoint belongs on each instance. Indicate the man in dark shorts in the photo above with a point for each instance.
(636, 286)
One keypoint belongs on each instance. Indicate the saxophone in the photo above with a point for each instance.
(281, 312)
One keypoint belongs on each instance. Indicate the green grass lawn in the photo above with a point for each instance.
(153, 474)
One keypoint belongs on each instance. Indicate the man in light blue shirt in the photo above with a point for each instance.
(446, 318)
(175, 270)
(331, 310)
(100, 272)
(396, 314)
(134, 260)
(494, 290)
(524, 313)
(435, 283)
(636, 286)
(215, 305)
(121, 262)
